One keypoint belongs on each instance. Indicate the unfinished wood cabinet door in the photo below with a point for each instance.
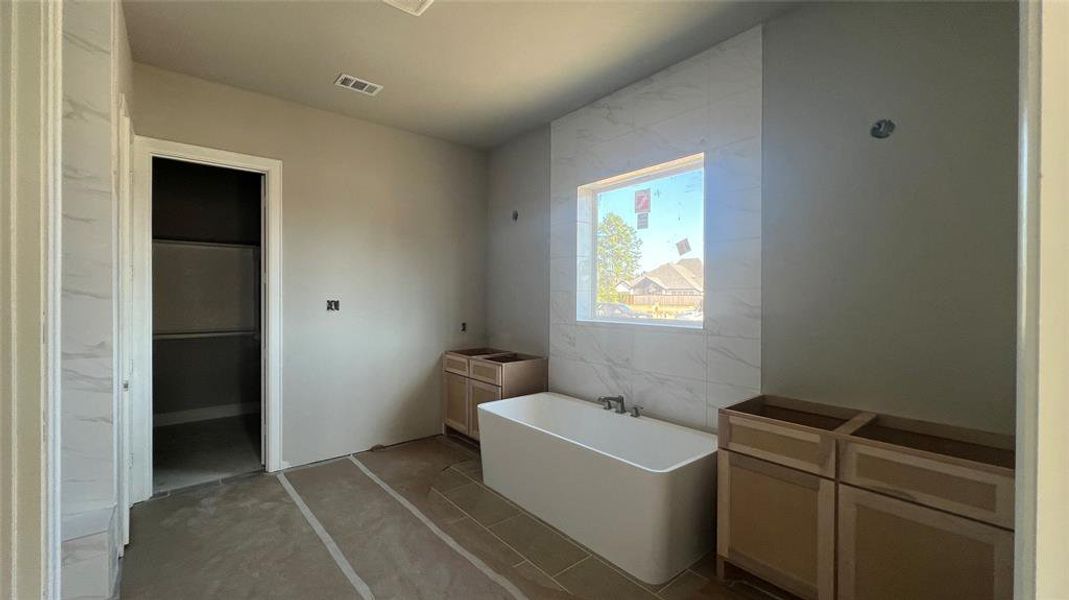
(890, 549)
(479, 392)
(455, 401)
(777, 523)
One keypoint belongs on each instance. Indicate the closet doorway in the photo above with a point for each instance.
(206, 283)
(206, 376)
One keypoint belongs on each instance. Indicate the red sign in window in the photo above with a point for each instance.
(642, 201)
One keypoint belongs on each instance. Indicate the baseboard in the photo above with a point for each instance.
(204, 414)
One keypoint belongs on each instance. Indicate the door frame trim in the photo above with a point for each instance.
(123, 331)
(145, 148)
(1042, 520)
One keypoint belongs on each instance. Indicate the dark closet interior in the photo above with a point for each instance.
(207, 374)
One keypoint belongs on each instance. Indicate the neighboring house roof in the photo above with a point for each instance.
(687, 275)
(694, 266)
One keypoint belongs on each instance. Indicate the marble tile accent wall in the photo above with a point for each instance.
(709, 103)
(87, 462)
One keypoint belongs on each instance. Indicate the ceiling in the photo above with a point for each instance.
(476, 73)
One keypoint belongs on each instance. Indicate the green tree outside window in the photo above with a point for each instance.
(618, 253)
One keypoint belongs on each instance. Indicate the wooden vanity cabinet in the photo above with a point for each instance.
(777, 523)
(826, 502)
(459, 361)
(776, 492)
(474, 376)
(890, 549)
(959, 471)
(789, 432)
(925, 511)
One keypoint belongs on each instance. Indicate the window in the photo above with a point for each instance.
(641, 245)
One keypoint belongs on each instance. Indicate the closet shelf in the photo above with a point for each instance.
(206, 244)
(202, 334)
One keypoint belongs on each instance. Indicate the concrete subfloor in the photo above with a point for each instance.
(190, 454)
(418, 523)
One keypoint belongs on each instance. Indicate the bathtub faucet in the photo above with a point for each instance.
(611, 400)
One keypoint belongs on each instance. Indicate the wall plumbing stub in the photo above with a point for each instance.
(882, 129)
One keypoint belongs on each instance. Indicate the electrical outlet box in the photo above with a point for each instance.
(333, 305)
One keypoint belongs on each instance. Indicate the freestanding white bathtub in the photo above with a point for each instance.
(638, 491)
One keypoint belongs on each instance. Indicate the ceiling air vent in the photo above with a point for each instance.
(412, 7)
(357, 85)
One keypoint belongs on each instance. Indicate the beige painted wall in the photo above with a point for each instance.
(1050, 409)
(389, 222)
(889, 265)
(517, 269)
(30, 39)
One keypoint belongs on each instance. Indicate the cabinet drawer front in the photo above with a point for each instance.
(890, 549)
(478, 393)
(971, 492)
(777, 523)
(791, 446)
(486, 372)
(454, 363)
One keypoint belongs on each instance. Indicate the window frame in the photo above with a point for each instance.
(587, 206)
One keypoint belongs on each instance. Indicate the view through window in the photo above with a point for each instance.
(646, 246)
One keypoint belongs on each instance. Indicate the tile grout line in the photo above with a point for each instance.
(454, 468)
(463, 515)
(510, 587)
(480, 484)
(675, 579)
(507, 544)
(572, 566)
(343, 563)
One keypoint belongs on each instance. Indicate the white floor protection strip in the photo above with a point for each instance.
(475, 560)
(335, 552)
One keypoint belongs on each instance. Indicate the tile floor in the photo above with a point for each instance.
(190, 454)
(409, 521)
